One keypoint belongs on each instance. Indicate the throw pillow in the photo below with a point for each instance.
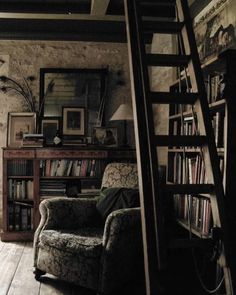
(112, 199)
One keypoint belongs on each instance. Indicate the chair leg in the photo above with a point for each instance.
(38, 273)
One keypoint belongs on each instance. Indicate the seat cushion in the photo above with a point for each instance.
(85, 241)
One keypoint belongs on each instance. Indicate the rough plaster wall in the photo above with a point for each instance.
(161, 78)
(27, 57)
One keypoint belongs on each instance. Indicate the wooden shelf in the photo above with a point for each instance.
(47, 186)
(193, 230)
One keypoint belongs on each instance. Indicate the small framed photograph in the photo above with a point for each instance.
(73, 121)
(105, 136)
(19, 124)
(49, 127)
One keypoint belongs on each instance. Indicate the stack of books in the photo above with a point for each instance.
(32, 140)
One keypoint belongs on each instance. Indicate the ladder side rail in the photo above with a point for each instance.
(151, 261)
(152, 147)
(153, 161)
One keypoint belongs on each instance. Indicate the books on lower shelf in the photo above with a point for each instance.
(20, 216)
(52, 188)
(195, 211)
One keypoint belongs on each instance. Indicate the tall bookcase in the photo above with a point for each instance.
(33, 174)
(186, 165)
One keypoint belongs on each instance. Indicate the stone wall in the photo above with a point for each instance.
(25, 58)
(161, 78)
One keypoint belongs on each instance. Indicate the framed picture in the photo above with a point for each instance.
(73, 121)
(49, 127)
(19, 124)
(105, 136)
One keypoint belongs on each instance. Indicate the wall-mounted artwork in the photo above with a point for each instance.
(215, 28)
(84, 88)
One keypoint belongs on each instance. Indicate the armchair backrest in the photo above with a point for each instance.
(120, 175)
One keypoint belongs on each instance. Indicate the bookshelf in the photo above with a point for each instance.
(185, 165)
(33, 174)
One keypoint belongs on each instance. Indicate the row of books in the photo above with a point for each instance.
(187, 127)
(64, 167)
(20, 189)
(52, 188)
(215, 85)
(189, 169)
(195, 211)
(218, 126)
(20, 217)
(20, 167)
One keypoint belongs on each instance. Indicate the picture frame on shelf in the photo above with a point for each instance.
(105, 136)
(49, 128)
(19, 124)
(73, 121)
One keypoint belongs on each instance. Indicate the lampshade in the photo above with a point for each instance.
(124, 112)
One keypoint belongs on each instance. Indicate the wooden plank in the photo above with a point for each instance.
(24, 281)
(99, 7)
(56, 16)
(172, 97)
(179, 140)
(1, 245)
(167, 60)
(9, 257)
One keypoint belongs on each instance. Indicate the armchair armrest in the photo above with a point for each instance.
(118, 222)
(122, 248)
(65, 213)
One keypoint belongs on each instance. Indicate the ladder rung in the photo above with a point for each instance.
(179, 140)
(173, 97)
(162, 27)
(158, 9)
(189, 188)
(193, 243)
(167, 60)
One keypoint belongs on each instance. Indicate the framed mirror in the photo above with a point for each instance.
(73, 88)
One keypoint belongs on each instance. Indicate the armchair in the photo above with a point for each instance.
(72, 243)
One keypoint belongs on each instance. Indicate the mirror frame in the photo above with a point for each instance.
(103, 72)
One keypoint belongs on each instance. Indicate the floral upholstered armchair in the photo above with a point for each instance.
(74, 244)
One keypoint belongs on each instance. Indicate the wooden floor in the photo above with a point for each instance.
(17, 278)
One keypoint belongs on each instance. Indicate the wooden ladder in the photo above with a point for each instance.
(170, 17)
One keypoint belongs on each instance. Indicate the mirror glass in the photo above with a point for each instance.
(72, 88)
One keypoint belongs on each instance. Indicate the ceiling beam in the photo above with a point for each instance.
(59, 29)
(72, 16)
(99, 7)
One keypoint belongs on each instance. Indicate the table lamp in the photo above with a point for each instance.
(123, 113)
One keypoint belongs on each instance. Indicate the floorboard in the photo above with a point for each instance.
(23, 281)
(10, 256)
(17, 278)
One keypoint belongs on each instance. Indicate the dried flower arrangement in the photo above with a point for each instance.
(8, 84)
